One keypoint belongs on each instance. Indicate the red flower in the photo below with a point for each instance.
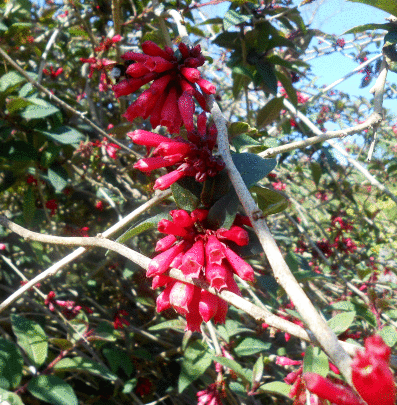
(102, 65)
(176, 82)
(99, 205)
(119, 321)
(69, 308)
(52, 205)
(52, 72)
(111, 148)
(192, 157)
(107, 43)
(200, 253)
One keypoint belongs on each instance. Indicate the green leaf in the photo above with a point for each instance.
(270, 201)
(196, 360)
(243, 71)
(249, 346)
(385, 5)
(117, 359)
(87, 365)
(11, 362)
(232, 18)
(341, 322)
(38, 109)
(105, 331)
(270, 112)
(243, 373)
(317, 172)
(243, 140)
(315, 361)
(63, 344)
(232, 328)
(389, 335)
(31, 337)
(289, 88)
(366, 27)
(176, 324)
(18, 151)
(16, 103)
(276, 387)
(10, 80)
(223, 212)
(257, 371)
(240, 128)
(49, 155)
(52, 389)
(252, 167)
(29, 205)
(65, 135)
(229, 40)
(58, 177)
(361, 310)
(266, 73)
(143, 226)
(186, 193)
(9, 398)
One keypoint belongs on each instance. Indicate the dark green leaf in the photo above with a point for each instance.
(229, 40)
(58, 177)
(196, 360)
(65, 135)
(365, 27)
(243, 373)
(232, 328)
(266, 73)
(186, 193)
(9, 398)
(117, 359)
(317, 172)
(270, 201)
(11, 362)
(31, 337)
(29, 205)
(341, 322)
(143, 226)
(49, 155)
(315, 361)
(239, 82)
(18, 151)
(270, 112)
(289, 88)
(249, 346)
(223, 212)
(244, 71)
(232, 18)
(240, 128)
(63, 344)
(16, 104)
(177, 324)
(276, 387)
(385, 5)
(252, 167)
(279, 41)
(87, 365)
(52, 389)
(244, 140)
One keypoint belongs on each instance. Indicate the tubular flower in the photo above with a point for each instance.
(209, 396)
(103, 66)
(371, 376)
(169, 101)
(200, 253)
(192, 157)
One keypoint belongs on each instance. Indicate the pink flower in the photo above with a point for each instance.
(99, 205)
(69, 308)
(169, 101)
(197, 251)
(111, 148)
(192, 157)
(209, 396)
(3, 246)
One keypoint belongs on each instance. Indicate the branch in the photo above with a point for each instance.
(282, 273)
(260, 314)
(78, 252)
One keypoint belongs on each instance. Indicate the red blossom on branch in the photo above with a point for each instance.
(53, 73)
(169, 101)
(103, 66)
(192, 157)
(200, 253)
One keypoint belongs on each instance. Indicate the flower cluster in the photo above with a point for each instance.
(371, 376)
(199, 253)
(192, 157)
(103, 66)
(209, 396)
(169, 101)
(68, 308)
(53, 73)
